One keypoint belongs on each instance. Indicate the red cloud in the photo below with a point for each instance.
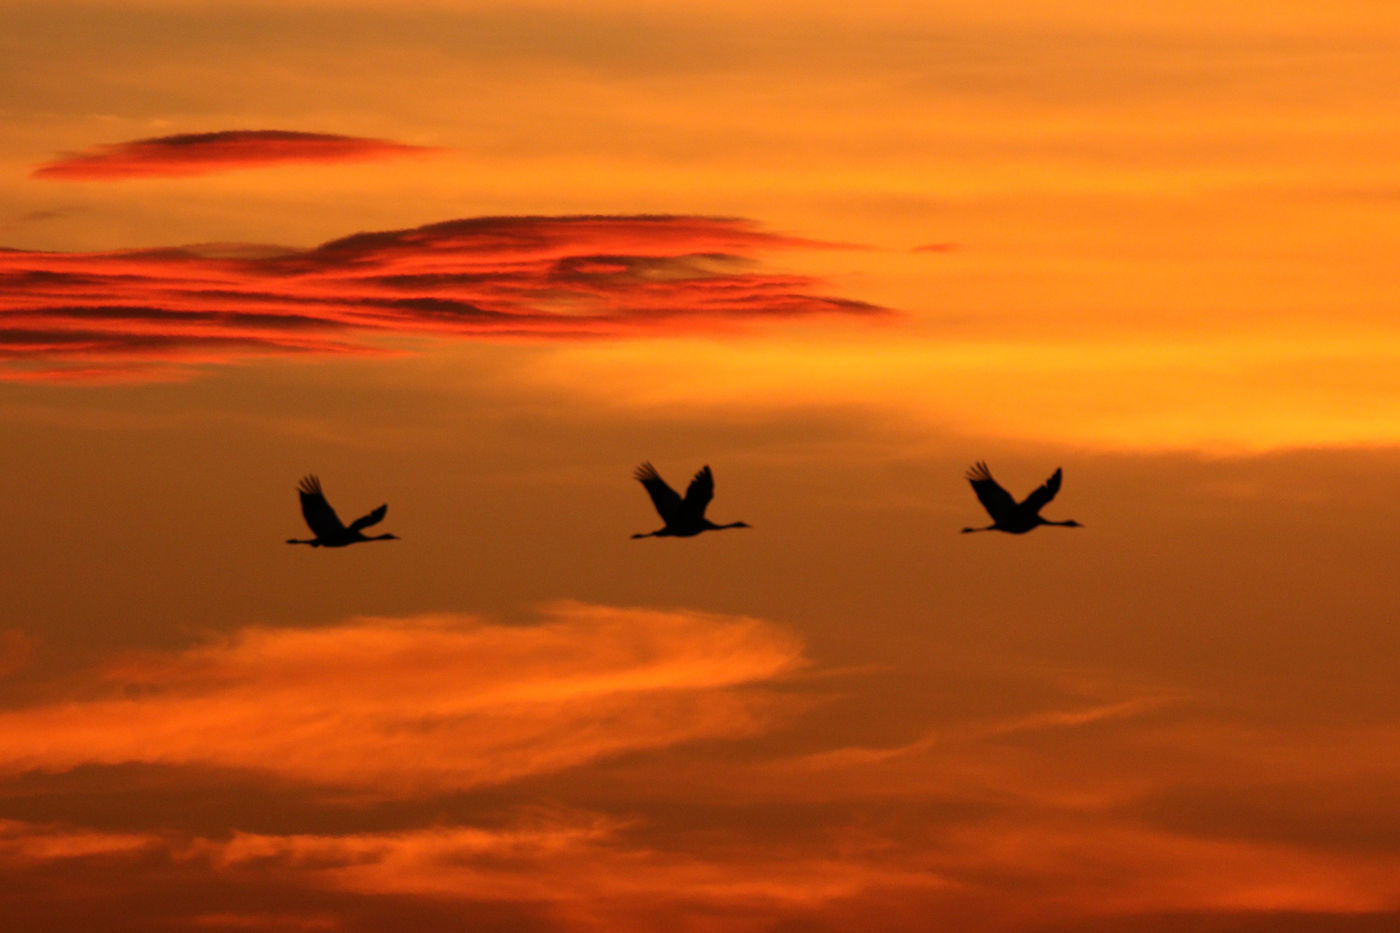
(206, 153)
(488, 277)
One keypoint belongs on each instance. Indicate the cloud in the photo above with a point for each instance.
(489, 788)
(553, 278)
(590, 872)
(437, 703)
(582, 871)
(205, 153)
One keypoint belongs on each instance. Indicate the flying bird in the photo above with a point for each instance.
(326, 525)
(1007, 514)
(684, 518)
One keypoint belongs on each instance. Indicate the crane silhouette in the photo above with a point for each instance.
(326, 525)
(1007, 514)
(684, 518)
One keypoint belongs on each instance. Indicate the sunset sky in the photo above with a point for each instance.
(480, 261)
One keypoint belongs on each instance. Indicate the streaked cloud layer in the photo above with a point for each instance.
(144, 312)
(206, 153)
(604, 768)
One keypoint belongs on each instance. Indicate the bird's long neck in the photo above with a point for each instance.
(311, 541)
(1070, 523)
(713, 527)
(968, 531)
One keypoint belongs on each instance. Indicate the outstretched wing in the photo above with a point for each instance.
(373, 518)
(994, 499)
(700, 492)
(319, 515)
(667, 502)
(1038, 499)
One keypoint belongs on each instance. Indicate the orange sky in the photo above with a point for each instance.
(481, 263)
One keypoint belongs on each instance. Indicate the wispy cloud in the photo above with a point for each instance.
(430, 703)
(205, 153)
(583, 871)
(606, 769)
(588, 872)
(491, 277)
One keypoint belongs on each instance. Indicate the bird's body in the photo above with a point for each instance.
(326, 525)
(1007, 514)
(684, 518)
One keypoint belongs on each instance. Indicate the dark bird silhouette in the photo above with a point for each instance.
(684, 518)
(326, 525)
(1007, 514)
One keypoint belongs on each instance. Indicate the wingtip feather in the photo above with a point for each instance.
(978, 471)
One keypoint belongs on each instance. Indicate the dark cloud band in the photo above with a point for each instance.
(206, 153)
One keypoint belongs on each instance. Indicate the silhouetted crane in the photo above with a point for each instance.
(326, 525)
(684, 518)
(1007, 514)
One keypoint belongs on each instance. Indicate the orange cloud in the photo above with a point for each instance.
(623, 769)
(434, 703)
(21, 842)
(206, 153)
(1134, 870)
(579, 863)
(590, 872)
(489, 277)
(1013, 822)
